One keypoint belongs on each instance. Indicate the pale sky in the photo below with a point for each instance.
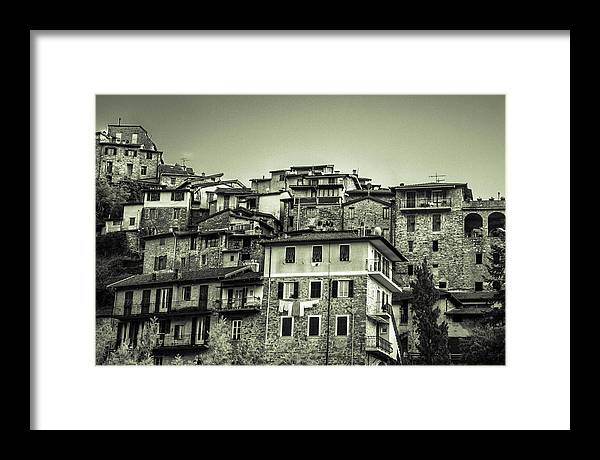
(389, 138)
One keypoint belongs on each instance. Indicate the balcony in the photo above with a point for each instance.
(425, 203)
(381, 271)
(378, 345)
(173, 308)
(245, 304)
(315, 200)
(164, 341)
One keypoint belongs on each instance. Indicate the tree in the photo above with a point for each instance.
(496, 268)
(142, 353)
(486, 345)
(109, 199)
(105, 339)
(432, 335)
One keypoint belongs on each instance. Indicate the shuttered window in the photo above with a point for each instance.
(287, 326)
(315, 289)
(314, 326)
(341, 325)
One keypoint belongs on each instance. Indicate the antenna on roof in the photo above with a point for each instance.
(119, 121)
(439, 177)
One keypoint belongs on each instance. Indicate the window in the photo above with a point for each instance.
(148, 155)
(176, 213)
(110, 151)
(315, 289)
(341, 325)
(411, 270)
(410, 223)
(479, 285)
(437, 222)
(290, 255)
(158, 360)
(193, 242)
(183, 261)
(161, 241)
(435, 265)
(153, 196)
(435, 246)
(177, 196)
(160, 263)
(231, 258)
(343, 288)
(226, 202)
(344, 252)
(288, 290)
(145, 300)
(128, 303)
(496, 258)
(386, 213)
(173, 180)
(143, 170)
(411, 245)
(287, 326)
(203, 259)
(351, 213)
(236, 329)
(129, 169)
(331, 180)
(119, 136)
(187, 292)
(178, 333)
(404, 312)
(478, 258)
(317, 254)
(496, 285)
(291, 221)
(130, 153)
(281, 177)
(109, 166)
(164, 326)
(314, 326)
(311, 212)
(443, 285)
(134, 138)
(132, 221)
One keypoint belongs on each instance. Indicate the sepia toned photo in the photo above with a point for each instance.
(300, 230)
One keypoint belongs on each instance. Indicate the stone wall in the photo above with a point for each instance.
(300, 348)
(370, 213)
(161, 219)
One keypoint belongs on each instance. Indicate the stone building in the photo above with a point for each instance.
(185, 304)
(327, 299)
(174, 175)
(126, 152)
(442, 222)
(368, 213)
(226, 239)
(166, 210)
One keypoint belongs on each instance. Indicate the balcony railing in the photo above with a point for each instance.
(245, 302)
(418, 203)
(182, 340)
(378, 343)
(174, 306)
(379, 265)
(318, 200)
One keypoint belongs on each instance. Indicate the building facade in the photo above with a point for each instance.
(126, 152)
(327, 299)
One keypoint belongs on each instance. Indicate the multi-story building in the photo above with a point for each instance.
(126, 152)
(369, 215)
(166, 210)
(184, 304)
(226, 239)
(327, 298)
(174, 175)
(441, 222)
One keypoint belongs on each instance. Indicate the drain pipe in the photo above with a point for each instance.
(328, 303)
(268, 297)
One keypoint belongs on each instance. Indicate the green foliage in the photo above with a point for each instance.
(486, 345)
(432, 342)
(109, 270)
(109, 199)
(140, 355)
(106, 335)
(497, 277)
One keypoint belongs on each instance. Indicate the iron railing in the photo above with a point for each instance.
(244, 302)
(182, 340)
(424, 202)
(376, 342)
(144, 308)
(379, 265)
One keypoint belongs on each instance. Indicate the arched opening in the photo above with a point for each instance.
(473, 225)
(496, 223)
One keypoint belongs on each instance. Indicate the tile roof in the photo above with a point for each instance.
(169, 277)
(176, 169)
(431, 185)
(367, 197)
(475, 311)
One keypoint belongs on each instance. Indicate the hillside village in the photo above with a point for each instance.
(306, 261)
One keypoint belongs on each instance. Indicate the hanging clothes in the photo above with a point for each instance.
(295, 308)
(285, 305)
(307, 304)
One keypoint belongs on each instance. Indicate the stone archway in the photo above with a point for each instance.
(473, 225)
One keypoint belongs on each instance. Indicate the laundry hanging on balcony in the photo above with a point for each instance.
(286, 305)
(307, 304)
